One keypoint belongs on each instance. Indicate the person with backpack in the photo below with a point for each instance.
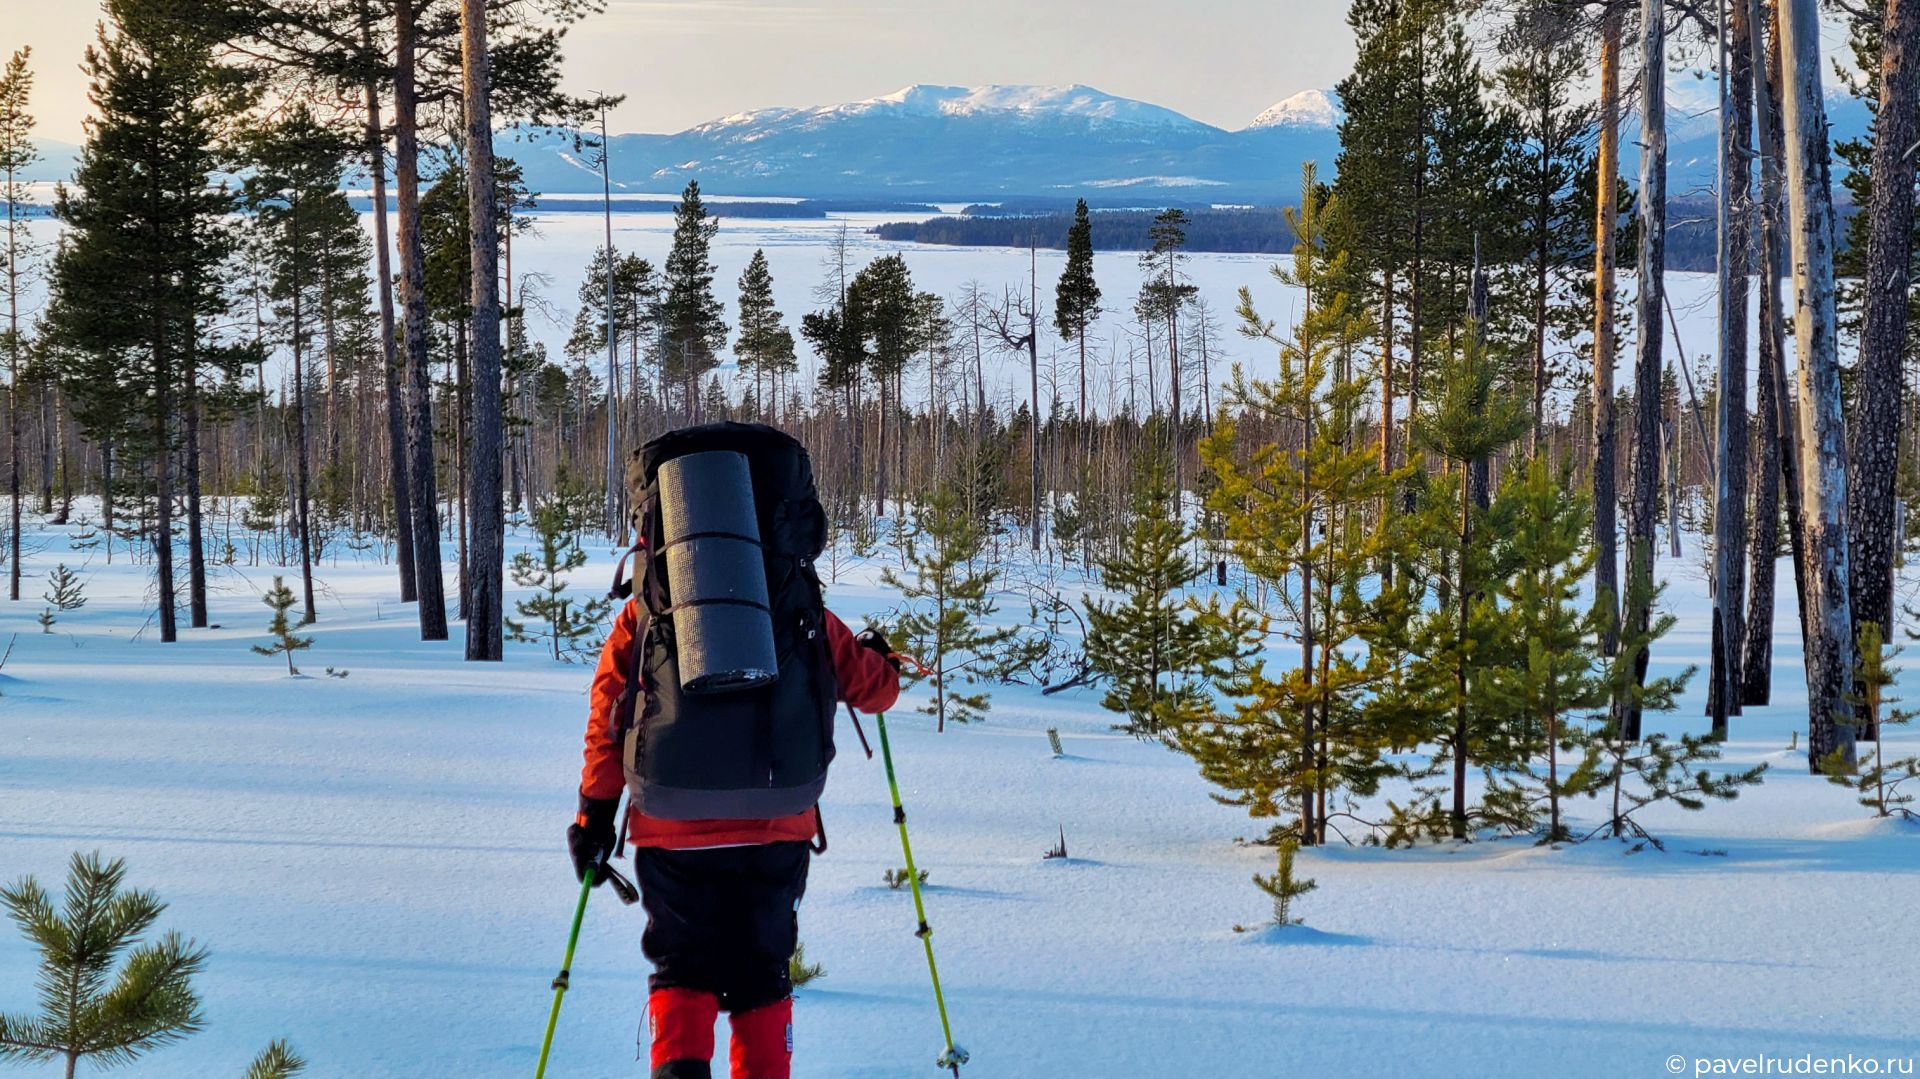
(713, 708)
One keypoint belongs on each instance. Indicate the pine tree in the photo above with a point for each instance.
(1632, 773)
(1548, 166)
(1880, 249)
(286, 642)
(765, 345)
(16, 154)
(1165, 291)
(1146, 646)
(569, 624)
(276, 1061)
(882, 303)
(1283, 887)
(1472, 417)
(63, 594)
(148, 228)
(947, 604)
(298, 165)
(1828, 621)
(1878, 783)
(88, 1008)
(1076, 300)
(691, 316)
(1555, 670)
(1294, 511)
(799, 971)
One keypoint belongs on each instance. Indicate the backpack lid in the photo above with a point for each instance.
(781, 468)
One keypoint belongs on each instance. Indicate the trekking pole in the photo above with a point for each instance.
(954, 1055)
(628, 895)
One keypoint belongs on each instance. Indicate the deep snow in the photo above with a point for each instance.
(377, 865)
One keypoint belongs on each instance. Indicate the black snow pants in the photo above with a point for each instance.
(723, 920)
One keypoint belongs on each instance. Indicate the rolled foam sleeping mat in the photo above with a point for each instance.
(716, 573)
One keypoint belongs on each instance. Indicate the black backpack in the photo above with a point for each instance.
(756, 748)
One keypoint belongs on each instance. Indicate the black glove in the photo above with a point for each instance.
(871, 638)
(590, 837)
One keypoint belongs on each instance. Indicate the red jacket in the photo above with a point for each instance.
(867, 681)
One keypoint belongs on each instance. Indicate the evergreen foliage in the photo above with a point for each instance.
(285, 641)
(764, 345)
(64, 593)
(1554, 670)
(1295, 511)
(1473, 416)
(692, 319)
(1283, 886)
(105, 994)
(1878, 784)
(1633, 774)
(276, 1061)
(1147, 647)
(799, 971)
(948, 602)
(568, 625)
(1076, 299)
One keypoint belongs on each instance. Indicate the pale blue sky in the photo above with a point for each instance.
(684, 61)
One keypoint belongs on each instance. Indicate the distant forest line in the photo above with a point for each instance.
(1257, 230)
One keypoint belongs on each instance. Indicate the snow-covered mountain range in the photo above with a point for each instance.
(963, 143)
(927, 143)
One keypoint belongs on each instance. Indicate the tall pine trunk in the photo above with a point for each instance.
(1775, 471)
(1823, 470)
(1735, 259)
(1650, 292)
(390, 371)
(303, 505)
(196, 540)
(1606, 566)
(485, 512)
(1873, 456)
(429, 588)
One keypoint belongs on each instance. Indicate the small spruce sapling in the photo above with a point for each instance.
(948, 602)
(568, 624)
(799, 971)
(64, 593)
(286, 642)
(1147, 647)
(1053, 740)
(276, 1061)
(1879, 783)
(1554, 668)
(1634, 775)
(88, 1009)
(1283, 886)
(897, 878)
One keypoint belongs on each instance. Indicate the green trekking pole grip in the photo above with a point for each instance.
(954, 1055)
(560, 980)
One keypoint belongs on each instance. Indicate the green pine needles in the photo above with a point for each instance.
(566, 624)
(799, 971)
(1284, 886)
(1878, 784)
(105, 995)
(64, 593)
(1295, 489)
(285, 641)
(1146, 646)
(945, 620)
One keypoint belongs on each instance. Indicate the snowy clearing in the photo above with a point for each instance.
(376, 863)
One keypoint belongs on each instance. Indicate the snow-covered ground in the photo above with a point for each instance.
(377, 865)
